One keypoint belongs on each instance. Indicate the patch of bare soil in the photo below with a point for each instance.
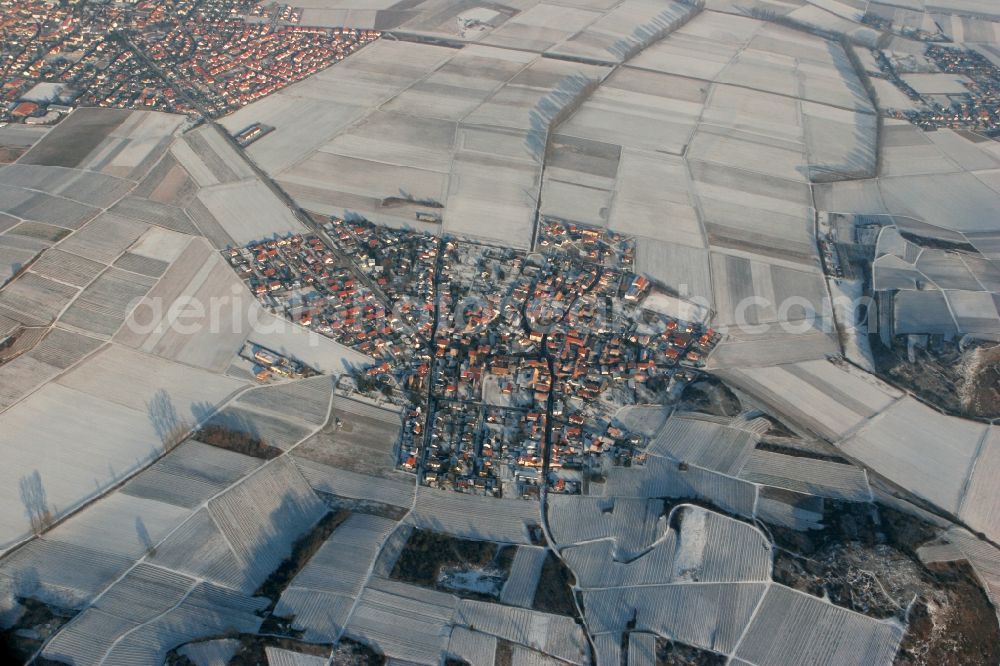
(865, 560)
(554, 593)
(709, 395)
(353, 653)
(505, 653)
(38, 621)
(964, 383)
(980, 391)
(426, 554)
(672, 653)
(957, 626)
(238, 439)
(10, 154)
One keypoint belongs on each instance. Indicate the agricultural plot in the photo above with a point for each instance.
(496, 171)
(626, 30)
(788, 61)
(641, 649)
(21, 377)
(818, 18)
(136, 263)
(706, 547)
(265, 427)
(765, 156)
(103, 305)
(396, 491)
(12, 259)
(661, 477)
(249, 211)
(922, 450)
(65, 575)
(554, 635)
(807, 475)
(607, 650)
(203, 610)
(472, 646)
(459, 86)
(817, 395)
(753, 212)
(154, 212)
(78, 558)
(104, 238)
(307, 346)
(955, 201)
(306, 400)
(645, 420)
(641, 110)
(979, 506)
(44, 208)
(134, 146)
(263, 515)
(789, 510)
(633, 523)
(72, 141)
(205, 335)
(360, 437)
(711, 616)
(321, 594)
(474, 517)
(35, 300)
(680, 268)
(750, 294)
(426, 614)
(700, 49)
(960, 544)
(312, 111)
(16, 139)
(519, 590)
(769, 345)
(50, 353)
(792, 623)
(245, 533)
(652, 200)
(26, 232)
(116, 411)
(718, 444)
(167, 184)
(213, 159)
(392, 166)
(937, 84)
(120, 524)
(540, 27)
(66, 267)
(937, 290)
(190, 474)
(86, 187)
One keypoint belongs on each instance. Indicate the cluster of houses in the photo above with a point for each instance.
(401, 263)
(269, 364)
(276, 12)
(538, 339)
(231, 62)
(297, 275)
(978, 109)
(209, 47)
(598, 246)
(513, 364)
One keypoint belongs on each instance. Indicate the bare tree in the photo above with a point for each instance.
(36, 505)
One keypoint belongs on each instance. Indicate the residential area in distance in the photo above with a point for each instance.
(563, 332)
